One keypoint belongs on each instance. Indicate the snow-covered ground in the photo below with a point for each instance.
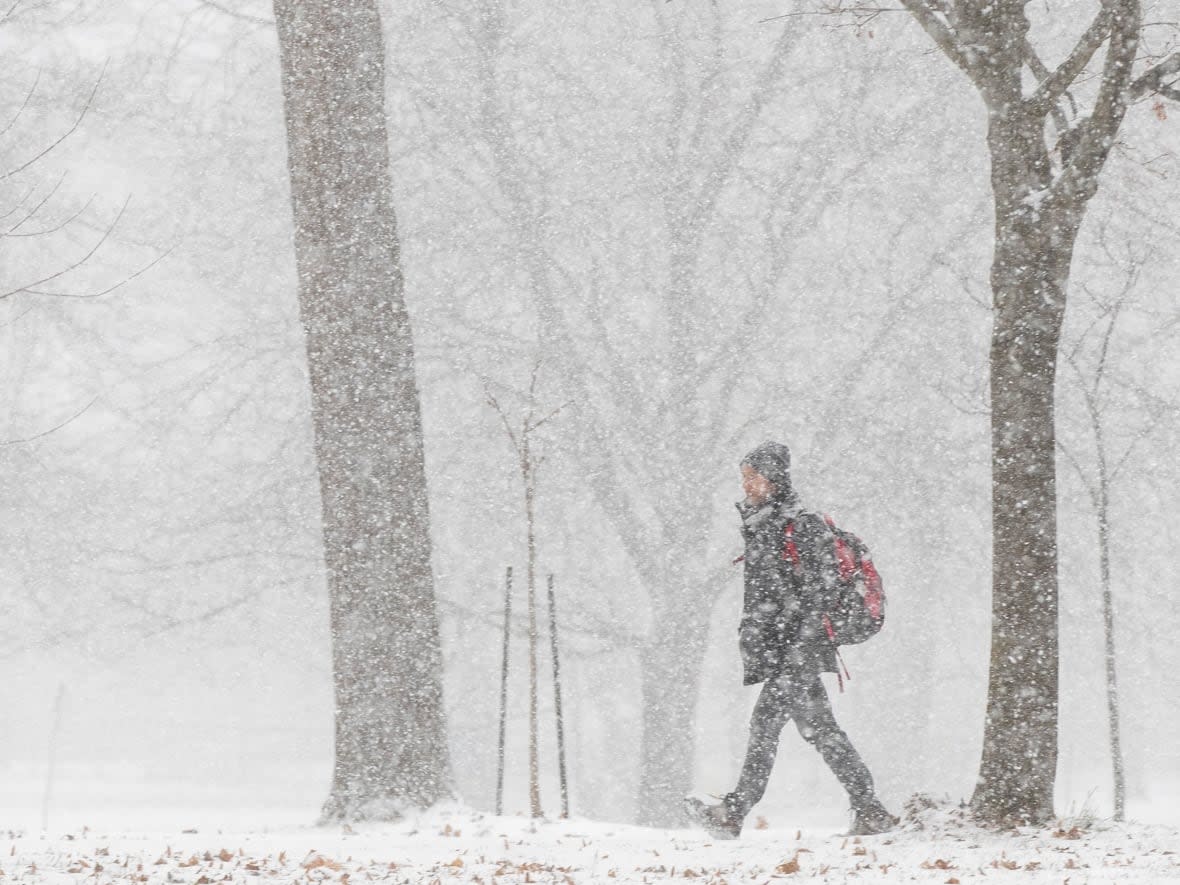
(456, 844)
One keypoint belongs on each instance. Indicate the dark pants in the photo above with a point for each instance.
(803, 698)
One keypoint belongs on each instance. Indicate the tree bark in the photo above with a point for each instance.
(391, 749)
(670, 667)
(1030, 270)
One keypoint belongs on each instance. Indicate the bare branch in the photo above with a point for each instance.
(863, 14)
(1042, 74)
(16, 206)
(738, 138)
(1097, 132)
(940, 32)
(20, 316)
(31, 287)
(1057, 83)
(533, 426)
(78, 122)
(240, 16)
(37, 208)
(32, 213)
(109, 289)
(54, 429)
(167, 622)
(11, 11)
(28, 97)
(1153, 79)
(495, 404)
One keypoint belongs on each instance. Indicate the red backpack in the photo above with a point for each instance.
(858, 610)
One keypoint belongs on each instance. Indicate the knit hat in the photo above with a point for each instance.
(773, 461)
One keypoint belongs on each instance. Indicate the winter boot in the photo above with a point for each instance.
(716, 820)
(872, 818)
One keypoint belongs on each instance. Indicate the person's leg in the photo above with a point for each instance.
(724, 820)
(801, 697)
(766, 724)
(809, 706)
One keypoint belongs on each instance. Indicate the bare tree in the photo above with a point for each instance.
(1046, 159)
(528, 462)
(1114, 440)
(54, 243)
(702, 146)
(662, 370)
(391, 747)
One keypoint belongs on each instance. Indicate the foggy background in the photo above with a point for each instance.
(160, 566)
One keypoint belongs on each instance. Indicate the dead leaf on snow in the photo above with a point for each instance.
(316, 861)
(939, 864)
(788, 867)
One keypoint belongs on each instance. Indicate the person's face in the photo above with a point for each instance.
(757, 487)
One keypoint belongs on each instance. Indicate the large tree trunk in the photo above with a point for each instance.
(670, 668)
(390, 738)
(1030, 269)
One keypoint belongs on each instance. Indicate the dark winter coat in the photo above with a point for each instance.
(782, 618)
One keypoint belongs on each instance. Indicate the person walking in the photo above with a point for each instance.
(785, 646)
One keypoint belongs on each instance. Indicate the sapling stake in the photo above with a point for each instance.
(565, 793)
(503, 692)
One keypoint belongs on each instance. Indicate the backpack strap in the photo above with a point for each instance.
(840, 677)
(790, 548)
